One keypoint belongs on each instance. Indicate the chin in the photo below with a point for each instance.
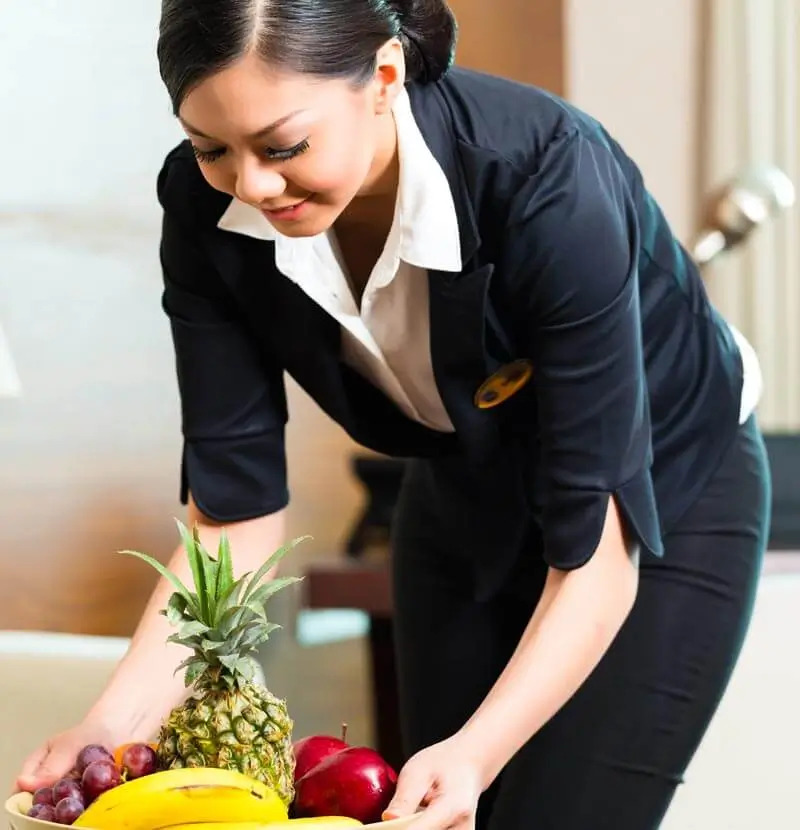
(319, 220)
(299, 230)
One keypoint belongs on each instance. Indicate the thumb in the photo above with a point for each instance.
(46, 765)
(413, 785)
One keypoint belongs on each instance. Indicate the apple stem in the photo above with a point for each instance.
(344, 733)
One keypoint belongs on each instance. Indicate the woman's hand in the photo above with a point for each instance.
(57, 756)
(445, 781)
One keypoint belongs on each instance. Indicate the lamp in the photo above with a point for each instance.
(740, 206)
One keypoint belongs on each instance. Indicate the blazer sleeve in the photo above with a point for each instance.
(232, 395)
(574, 243)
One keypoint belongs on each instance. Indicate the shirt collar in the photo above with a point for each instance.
(428, 223)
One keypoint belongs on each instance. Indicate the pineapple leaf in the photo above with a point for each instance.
(194, 667)
(231, 620)
(175, 612)
(194, 671)
(179, 639)
(190, 629)
(210, 568)
(210, 646)
(244, 666)
(196, 565)
(232, 600)
(260, 596)
(273, 560)
(225, 579)
(190, 598)
(253, 635)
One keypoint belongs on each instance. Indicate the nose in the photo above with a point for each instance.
(257, 182)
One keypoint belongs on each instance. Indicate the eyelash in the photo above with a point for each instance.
(209, 156)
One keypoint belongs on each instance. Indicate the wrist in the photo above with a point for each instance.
(130, 711)
(480, 751)
(121, 720)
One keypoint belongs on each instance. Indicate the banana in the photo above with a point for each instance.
(320, 823)
(184, 796)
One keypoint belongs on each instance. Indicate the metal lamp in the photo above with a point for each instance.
(739, 207)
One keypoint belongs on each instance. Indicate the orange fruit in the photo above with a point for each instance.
(120, 750)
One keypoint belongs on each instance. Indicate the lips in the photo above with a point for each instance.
(282, 207)
(293, 211)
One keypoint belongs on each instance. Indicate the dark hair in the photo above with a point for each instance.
(326, 38)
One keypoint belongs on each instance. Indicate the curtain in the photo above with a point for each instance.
(751, 116)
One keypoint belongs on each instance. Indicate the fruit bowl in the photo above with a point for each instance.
(18, 805)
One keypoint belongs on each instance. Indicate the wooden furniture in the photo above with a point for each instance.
(358, 584)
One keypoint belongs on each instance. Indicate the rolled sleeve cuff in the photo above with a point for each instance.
(235, 479)
(574, 521)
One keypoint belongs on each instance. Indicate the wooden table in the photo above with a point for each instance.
(366, 586)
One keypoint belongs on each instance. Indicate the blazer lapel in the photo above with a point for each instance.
(462, 328)
(460, 359)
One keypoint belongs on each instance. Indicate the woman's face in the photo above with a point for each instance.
(296, 147)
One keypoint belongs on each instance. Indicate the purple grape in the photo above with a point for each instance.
(66, 788)
(67, 810)
(44, 812)
(99, 777)
(139, 760)
(91, 753)
(44, 795)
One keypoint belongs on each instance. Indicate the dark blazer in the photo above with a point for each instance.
(568, 263)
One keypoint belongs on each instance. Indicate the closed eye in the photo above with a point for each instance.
(209, 156)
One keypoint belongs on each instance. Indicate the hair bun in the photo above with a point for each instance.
(428, 34)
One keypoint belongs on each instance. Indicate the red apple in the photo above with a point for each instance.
(354, 782)
(308, 752)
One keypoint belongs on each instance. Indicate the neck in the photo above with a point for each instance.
(374, 204)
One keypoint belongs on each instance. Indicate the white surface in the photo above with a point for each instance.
(744, 777)
(45, 644)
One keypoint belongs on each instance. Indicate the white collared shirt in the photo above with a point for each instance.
(388, 339)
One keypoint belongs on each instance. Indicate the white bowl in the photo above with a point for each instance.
(19, 804)
(16, 808)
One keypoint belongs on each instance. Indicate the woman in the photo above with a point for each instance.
(469, 273)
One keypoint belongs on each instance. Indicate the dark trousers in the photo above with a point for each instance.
(612, 757)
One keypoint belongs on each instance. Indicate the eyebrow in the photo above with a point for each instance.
(264, 131)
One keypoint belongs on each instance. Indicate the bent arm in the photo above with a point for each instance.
(576, 620)
(144, 687)
(575, 234)
(233, 413)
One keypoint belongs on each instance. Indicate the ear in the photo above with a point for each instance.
(390, 75)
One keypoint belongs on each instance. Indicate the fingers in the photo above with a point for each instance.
(413, 785)
(26, 778)
(45, 766)
(445, 814)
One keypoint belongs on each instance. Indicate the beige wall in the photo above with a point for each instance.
(89, 453)
(635, 64)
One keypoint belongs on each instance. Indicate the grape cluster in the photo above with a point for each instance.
(94, 773)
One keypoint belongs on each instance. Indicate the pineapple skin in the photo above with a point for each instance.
(247, 729)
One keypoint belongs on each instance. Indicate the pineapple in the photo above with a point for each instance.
(229, 720)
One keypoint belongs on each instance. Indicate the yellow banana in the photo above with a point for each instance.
(320, 823)
(184, 796)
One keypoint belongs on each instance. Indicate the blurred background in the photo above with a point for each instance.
(704, 94)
